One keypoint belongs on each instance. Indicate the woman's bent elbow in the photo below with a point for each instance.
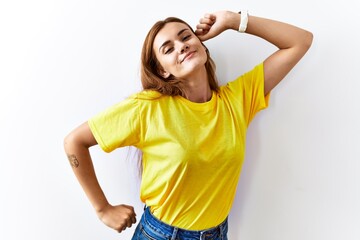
(69, 142)
(308, 39)
(80, 137)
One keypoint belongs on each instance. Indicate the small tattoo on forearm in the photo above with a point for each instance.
(73, 160)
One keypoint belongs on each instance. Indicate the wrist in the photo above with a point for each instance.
(233, 20)
(101, 205)
(101, 210)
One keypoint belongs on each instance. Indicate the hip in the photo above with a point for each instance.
(152, 228)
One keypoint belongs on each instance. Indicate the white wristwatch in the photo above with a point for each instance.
(244, 20)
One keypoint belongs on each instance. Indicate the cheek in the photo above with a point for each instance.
(202, 51)
(204, 55)
(168, 62)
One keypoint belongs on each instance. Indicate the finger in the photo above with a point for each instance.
(129, 223)
(131, 208)
(120, 229)
(127, 206)
(210, 16)
(203, 35)
(203, 27)
(207, 21)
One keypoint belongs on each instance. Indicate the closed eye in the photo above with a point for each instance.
(186, 37)
(169, 50)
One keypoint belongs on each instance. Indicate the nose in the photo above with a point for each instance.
(184, 48)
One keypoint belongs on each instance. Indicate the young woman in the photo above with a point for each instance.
(191, 132)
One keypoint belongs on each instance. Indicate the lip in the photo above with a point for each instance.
(189, 54)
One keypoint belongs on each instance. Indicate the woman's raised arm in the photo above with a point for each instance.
(292, 42)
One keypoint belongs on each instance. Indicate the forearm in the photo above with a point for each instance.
(77, 145)
(282, 35)
(81, 162)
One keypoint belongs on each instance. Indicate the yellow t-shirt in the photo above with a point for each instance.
(192, 152)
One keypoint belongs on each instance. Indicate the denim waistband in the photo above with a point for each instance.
(172, 232)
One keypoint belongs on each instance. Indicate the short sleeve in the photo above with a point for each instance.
(248, 89)
(117, 126)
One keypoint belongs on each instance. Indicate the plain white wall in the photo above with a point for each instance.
(61, 62)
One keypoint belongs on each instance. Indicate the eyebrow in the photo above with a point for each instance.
(168, 41)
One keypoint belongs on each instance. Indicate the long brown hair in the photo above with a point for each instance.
(151, 78)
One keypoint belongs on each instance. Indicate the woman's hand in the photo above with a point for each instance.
(213, 24)
(118, 217)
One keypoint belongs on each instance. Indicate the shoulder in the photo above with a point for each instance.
(146, 95)
(253, 75)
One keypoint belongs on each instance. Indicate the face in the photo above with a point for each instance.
(178, 50)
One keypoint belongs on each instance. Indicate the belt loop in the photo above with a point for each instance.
(173, 237)
(221, 230)
(202, 237)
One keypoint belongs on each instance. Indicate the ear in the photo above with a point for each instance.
(164, 73)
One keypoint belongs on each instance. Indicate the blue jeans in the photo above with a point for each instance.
(152, 228)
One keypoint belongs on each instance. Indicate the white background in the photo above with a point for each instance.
(61, 62)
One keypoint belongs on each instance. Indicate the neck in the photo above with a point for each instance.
(198, 88)
(199, 95)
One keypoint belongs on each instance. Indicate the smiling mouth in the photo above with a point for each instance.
(189, 54)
